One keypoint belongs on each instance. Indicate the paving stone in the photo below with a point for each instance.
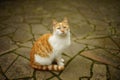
(113, 52)
(42, 75)
(49, 7)
(66, 58)
(47, 21)
(91, 47)
(102, 56)
(38, 36)
(21, 26)
(64, 7)
(108, 42)
(2, 77)
(102, 32)
(4, 44)
(104, 43)
(99, 72)
(75, 18)
(39, 29)
(6, 60)
(25, 79)
(2, 27)
(32, 18)
(95, 36)
(114, 73)
(74, 49)
(116, 40)
(100, 25)
(92, 42)
(14, 19)
(61, 14)
(27, 44)
(118, 54)
(77, 68)
(84, 79)
(34, 8)
(81, 29)
(18, 36)
(21, 68)
(7, 30)
(55, 78)
(90, 14)
(118, 28)
(24, 52)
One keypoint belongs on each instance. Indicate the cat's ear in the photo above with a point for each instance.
(54, 22)
(65, 20)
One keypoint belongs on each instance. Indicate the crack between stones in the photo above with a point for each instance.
(108, 73)
(117, 67)
(71, 60)
(21, 56)
(31, 32)
(3, 73)
(50, 78)
(111, 53)
(91, 70)
(91, 73)
(8, 51)
(55, 75)
(34, 74)
(24, 78)
(66, 55)
(11, 64)
(87, 21)
(115, 42)
(96, 46)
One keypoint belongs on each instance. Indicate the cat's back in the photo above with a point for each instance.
(42, 45)
(44, 38)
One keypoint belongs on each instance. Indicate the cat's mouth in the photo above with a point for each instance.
(63, 34)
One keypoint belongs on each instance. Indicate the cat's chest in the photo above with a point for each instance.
(59, 44)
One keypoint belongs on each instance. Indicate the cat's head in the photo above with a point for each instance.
(61, 28)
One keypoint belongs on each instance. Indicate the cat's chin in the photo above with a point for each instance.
(63, 35)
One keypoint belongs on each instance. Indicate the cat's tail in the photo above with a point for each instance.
(48, 67)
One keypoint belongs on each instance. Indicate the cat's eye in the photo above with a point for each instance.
(64, 27)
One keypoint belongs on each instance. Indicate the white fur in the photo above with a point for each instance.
(43, 60)
(59, 43)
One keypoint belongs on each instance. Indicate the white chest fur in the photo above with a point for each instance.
(59, 43)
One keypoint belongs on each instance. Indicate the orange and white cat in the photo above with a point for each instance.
(49, 47)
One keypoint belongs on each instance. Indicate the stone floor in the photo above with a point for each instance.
(95, 34)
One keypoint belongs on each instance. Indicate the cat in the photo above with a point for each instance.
(49, 47)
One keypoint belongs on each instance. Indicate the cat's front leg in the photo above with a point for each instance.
(59, 60)
(62, 60)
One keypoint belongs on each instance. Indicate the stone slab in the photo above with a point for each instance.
(114, 73)
(21, 68)
(42, 75)
(102, 57)
(99, 72)
(74, 49)
(78, 67)
(24, 52)
(6, 61)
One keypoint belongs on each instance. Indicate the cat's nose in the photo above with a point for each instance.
(62, 31)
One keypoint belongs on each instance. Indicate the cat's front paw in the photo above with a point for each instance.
(62, 60)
